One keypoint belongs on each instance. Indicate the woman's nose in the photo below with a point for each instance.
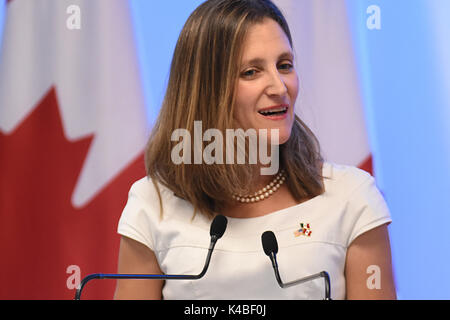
(276, 85)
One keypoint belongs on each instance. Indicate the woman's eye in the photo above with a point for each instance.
(249, 73)
(286, 66)
(253, 72)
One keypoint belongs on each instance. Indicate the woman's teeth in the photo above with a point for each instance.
(275, 111)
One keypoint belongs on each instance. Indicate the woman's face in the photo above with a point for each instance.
(268, 83)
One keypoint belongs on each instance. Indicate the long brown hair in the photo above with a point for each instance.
(201, 87)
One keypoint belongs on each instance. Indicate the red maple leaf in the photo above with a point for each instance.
(41, 233)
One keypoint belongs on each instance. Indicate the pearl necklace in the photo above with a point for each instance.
(265, 192)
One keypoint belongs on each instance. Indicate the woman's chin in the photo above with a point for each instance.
(282, 137)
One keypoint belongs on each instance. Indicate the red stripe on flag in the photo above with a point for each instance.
(41, 233)
(366, 165)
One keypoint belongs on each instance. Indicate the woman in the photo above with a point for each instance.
(233, 67)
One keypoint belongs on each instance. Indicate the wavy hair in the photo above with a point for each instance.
(203, 77)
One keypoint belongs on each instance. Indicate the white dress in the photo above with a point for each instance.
(239, 269)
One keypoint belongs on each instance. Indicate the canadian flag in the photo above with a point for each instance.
(329, 100)
(72, 132)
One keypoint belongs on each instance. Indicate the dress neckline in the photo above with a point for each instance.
(325, 173)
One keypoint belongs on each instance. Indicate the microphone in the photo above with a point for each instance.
(270, 246)
(216, 231)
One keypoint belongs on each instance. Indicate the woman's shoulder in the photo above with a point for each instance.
(151, 193)
(344, 177)
(149, 204)
(147, 188)
(356, 199)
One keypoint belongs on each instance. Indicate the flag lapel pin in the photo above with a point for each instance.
(305, 230)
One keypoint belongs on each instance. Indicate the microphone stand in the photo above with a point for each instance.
(88, 278)
(270, 247)
(283, 285)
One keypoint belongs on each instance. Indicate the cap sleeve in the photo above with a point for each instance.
(136, 219)
(368, 209)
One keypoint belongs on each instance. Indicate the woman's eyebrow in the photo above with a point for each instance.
(284, 55)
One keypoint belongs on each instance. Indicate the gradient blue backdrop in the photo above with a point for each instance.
(401, 71)
(404, 70)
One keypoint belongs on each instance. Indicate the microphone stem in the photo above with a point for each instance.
(323, 274)
(326, 277)
(149, 276)
(208, 257)
(303, 280)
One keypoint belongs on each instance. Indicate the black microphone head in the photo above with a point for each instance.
(269, 243)
(218, 226)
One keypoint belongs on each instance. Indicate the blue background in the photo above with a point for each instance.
(404, 70)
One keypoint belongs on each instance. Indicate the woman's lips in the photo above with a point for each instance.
(275, 113)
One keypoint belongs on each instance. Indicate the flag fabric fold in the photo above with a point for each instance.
(330, 101)
(72, 132)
